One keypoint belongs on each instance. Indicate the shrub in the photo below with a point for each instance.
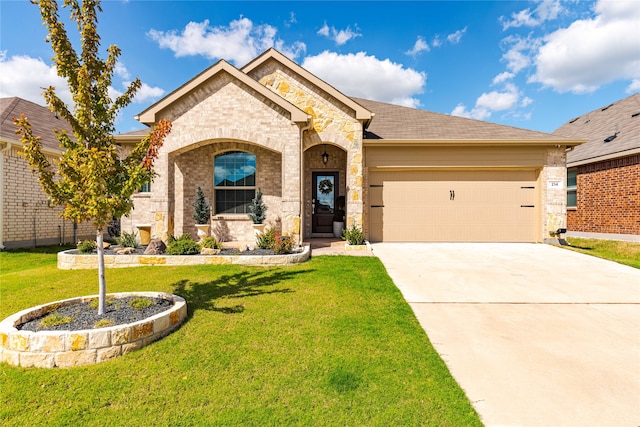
(267, 239)
(55, 319)
(103, 323)
(140, 303)
(211, 243)
(353, 235)
(257, 209)
(202, 209)
(87, 246)
(283, 245)
(127, 240)
(183, 246)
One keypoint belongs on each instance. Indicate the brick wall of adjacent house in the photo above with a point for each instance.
(27, 219)
(608, 197)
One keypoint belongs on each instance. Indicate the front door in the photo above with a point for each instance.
(323, 194)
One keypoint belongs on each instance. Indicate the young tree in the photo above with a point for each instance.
(92, 182)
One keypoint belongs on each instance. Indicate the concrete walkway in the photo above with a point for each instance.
(536, 335)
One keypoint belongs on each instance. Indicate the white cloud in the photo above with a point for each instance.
(634, 86)
(489, 102)
(365, 76)
(27, 77)
(419, 47)
(502, 77)
(121, 71)
(454, 38)
(519, 53)
(338, 36)
(239, 42)
(546, 10)
(592, 52)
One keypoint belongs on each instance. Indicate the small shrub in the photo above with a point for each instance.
(87, 246)
(211, 243)
(55, 319)
(283, 245)
(103, 323)
(127, 240)
(172, 238)
(140, 303)
(183, 246)
(257, 209)
(95, 302)
(267, 239)
(353, 235)
(201, 208)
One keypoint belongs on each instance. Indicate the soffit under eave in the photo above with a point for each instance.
(149, 116)
(611, 156)
(360, 112)
(470, 142)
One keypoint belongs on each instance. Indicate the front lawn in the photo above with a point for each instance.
(328, 342)
(623, 252)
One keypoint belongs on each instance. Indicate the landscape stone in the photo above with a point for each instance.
(155, 247)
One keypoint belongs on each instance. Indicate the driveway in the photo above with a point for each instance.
(536, 335)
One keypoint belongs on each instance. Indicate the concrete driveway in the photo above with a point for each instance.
(536, 335)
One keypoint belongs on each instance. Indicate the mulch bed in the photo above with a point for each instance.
(85, 316)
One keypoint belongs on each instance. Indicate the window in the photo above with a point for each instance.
(572, 188)
(146, 187)
(234, 180)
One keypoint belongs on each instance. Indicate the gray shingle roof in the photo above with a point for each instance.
(622, 117)
(43, 121)
(403, 123)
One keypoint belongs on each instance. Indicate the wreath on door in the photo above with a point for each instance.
(325, 186)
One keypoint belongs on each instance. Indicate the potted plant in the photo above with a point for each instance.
(202, 214)
(338, 217)
(257, 213)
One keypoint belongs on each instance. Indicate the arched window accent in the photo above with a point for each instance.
(234, 181)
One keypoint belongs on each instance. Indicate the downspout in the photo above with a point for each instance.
(2, 204)
(301, 209)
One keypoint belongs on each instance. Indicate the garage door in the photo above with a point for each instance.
(453, 206)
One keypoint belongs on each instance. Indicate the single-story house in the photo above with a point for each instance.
(603, 175)
(404, 174)
(26, 220)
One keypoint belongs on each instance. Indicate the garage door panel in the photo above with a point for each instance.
(454, 206)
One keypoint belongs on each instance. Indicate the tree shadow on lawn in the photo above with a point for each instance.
(203, 295)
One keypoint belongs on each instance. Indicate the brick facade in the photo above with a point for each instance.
(608, 197)
(27, 219)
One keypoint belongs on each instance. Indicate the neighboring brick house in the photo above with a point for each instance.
(404, 174)
(603, 175)
(26, 220)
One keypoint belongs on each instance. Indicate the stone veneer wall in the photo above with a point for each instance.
(554, 200)
(608, 197)
(224, 110)
(24, 201)
(333, 123)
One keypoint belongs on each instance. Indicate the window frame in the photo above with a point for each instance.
(240, 188)
(572, 188)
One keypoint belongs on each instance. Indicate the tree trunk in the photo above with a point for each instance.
(101, 278)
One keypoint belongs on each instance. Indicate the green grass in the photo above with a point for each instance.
(627, 253)
(325, 343)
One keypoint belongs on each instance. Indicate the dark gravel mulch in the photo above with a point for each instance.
(85, 317)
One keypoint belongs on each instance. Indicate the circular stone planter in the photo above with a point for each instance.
(50, 349)
(72, 260)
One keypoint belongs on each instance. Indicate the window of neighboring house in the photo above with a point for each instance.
(234, 180)
(146, 187)
(572, 188)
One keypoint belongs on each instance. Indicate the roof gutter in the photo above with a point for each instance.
(471, 142)
(603, 158)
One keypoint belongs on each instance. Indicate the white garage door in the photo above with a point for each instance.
(453, 206)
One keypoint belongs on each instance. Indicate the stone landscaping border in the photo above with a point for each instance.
(50, 349)
(71, 260)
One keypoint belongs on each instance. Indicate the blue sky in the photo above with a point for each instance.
(530, 64)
